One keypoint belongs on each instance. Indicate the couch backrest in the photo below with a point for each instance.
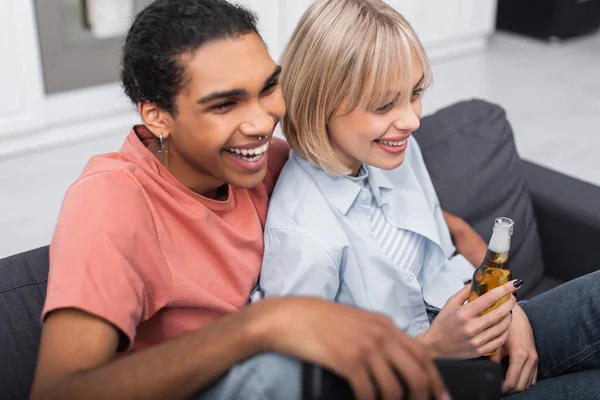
(470, 152)
(23, 279)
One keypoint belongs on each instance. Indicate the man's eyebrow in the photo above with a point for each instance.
(222, 95)
(274, 75)
(236, 92)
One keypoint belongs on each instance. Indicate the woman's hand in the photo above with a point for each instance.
(364, 347)
(520, 347)
(459, 331)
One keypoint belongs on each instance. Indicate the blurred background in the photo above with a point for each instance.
(60, 101)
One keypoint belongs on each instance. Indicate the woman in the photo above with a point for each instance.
(353, 76)
(158, 246)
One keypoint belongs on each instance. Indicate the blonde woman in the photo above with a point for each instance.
(340, 228)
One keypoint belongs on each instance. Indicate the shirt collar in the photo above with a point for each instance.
(340, 191)
(379, 184)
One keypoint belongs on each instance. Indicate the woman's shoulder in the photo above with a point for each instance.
(297, 202)
(295, 181)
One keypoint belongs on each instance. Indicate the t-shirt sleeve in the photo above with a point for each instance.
(105, 256)
(279, 151)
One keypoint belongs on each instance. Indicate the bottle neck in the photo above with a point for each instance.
(498, 249)
(500, 242)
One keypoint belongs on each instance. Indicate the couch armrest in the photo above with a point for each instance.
(568, 218)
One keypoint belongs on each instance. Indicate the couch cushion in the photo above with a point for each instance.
(470, 153)
(22, 291)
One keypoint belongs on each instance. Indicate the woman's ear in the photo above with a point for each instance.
(158, 121)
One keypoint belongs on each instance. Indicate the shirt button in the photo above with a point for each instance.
(364, 196)
(371, 234)
(422, 326)
(410, 279)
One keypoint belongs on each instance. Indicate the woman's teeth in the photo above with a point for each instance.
(392, 144)
(249, 154)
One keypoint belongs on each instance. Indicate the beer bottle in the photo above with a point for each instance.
(494, 270)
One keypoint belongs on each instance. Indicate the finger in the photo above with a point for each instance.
(385, 378)
(531, 376)
(427, 364)
(416, 350)
(493, 296)
(535, 374)
(459, 298)
(361, 384)
(515, 370)
(497, 356)
(497, 315)
(525, 378)
(492, 345)
(492, 333)
(410, 370)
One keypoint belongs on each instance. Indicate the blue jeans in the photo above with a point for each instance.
(263, 377)
(566, 327)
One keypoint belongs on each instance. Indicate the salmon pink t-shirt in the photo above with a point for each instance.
(140, 250)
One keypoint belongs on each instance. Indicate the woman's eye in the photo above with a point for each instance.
(416, 94)
(385, 108)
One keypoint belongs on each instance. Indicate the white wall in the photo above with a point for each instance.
(46, 140)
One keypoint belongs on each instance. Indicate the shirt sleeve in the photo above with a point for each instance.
(462, 266)
(105, 257)
(296, 265)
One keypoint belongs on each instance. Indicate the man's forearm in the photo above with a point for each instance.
(176, 369)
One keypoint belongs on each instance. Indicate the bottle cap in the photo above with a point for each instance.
(504, 224)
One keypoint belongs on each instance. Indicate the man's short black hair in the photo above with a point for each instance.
(152, 66)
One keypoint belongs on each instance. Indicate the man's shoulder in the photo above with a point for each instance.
(108, 183)
(279, 151)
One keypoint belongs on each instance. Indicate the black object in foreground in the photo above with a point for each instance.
(465, 379)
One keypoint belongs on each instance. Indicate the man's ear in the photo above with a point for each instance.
(157, 120)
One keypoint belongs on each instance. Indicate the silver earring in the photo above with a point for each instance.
(162, 150)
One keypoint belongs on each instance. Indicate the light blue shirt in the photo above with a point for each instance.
(405, 248)
(317, 240)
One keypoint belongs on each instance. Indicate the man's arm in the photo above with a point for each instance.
(77, 353)
(77, 359)
(467, 241)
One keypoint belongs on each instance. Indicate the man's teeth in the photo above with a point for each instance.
(250, 154)
(393, 144)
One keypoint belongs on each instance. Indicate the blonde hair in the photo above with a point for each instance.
(348, 51)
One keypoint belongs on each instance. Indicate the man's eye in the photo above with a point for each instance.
(222, 106)
(270, 86)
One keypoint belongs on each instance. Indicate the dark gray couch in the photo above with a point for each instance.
(469, 150)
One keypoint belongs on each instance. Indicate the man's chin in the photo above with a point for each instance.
(249, 181)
